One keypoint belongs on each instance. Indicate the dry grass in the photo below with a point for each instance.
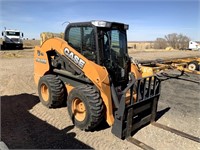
(31, 43)
(131, 45)
(141, 45)
(10, 55)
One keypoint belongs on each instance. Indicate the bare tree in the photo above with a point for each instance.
(177, 41)
(183, 41)
(160, 43)
(172, 39)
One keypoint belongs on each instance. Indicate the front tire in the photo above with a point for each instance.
(4, 46)
(21, 47)
(51, 91)
(85, 107)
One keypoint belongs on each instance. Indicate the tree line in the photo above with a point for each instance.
(174, 40)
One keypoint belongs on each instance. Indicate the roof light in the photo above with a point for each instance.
(126, 27)
(101, 23)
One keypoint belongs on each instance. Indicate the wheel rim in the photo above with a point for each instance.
(78, 109)
(191, 67)
(44, 92)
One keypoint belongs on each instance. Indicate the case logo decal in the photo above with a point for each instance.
(74, 58)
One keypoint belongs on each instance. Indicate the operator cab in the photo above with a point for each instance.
(104, 43)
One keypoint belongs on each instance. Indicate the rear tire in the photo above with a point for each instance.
(51, 91)
(85, 107)
(193, 65)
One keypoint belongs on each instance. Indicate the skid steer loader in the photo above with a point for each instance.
(91, 71)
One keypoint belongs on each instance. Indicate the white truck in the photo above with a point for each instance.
(194, 45)
(12, 39)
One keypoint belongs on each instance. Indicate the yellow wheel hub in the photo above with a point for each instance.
(78, 109)
(45, 92)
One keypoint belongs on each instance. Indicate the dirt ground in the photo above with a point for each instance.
(27, 124)
(153, 54)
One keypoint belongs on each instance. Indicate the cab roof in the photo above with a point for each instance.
(12, 30)
(100, 23)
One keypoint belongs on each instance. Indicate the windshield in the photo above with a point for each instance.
(113, 53)
(114, 47)
(12, 33)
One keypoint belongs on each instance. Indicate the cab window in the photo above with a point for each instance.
(74, 38)
(82, 39)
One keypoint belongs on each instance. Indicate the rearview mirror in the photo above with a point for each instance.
(22, 34)
(2, 33)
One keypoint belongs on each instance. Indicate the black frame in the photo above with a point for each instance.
(84, 24)
(89, 24)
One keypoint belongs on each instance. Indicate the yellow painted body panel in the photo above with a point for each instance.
(40, 68)
(147, 71)
(97, 74)
(136, 71)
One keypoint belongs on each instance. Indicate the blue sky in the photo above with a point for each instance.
(147, 19)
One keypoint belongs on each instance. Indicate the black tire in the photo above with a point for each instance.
(1, 48)
(21, 47)
(93, 107)
(52, 85)
(193, 65)
(4, 46)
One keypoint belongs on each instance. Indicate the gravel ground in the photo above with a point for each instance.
(27, 124)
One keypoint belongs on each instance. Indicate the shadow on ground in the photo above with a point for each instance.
(21, 130)
(161, 113)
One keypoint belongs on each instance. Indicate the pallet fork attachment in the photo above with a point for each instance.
(140, 110)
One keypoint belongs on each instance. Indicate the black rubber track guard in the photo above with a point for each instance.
(139, 112)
